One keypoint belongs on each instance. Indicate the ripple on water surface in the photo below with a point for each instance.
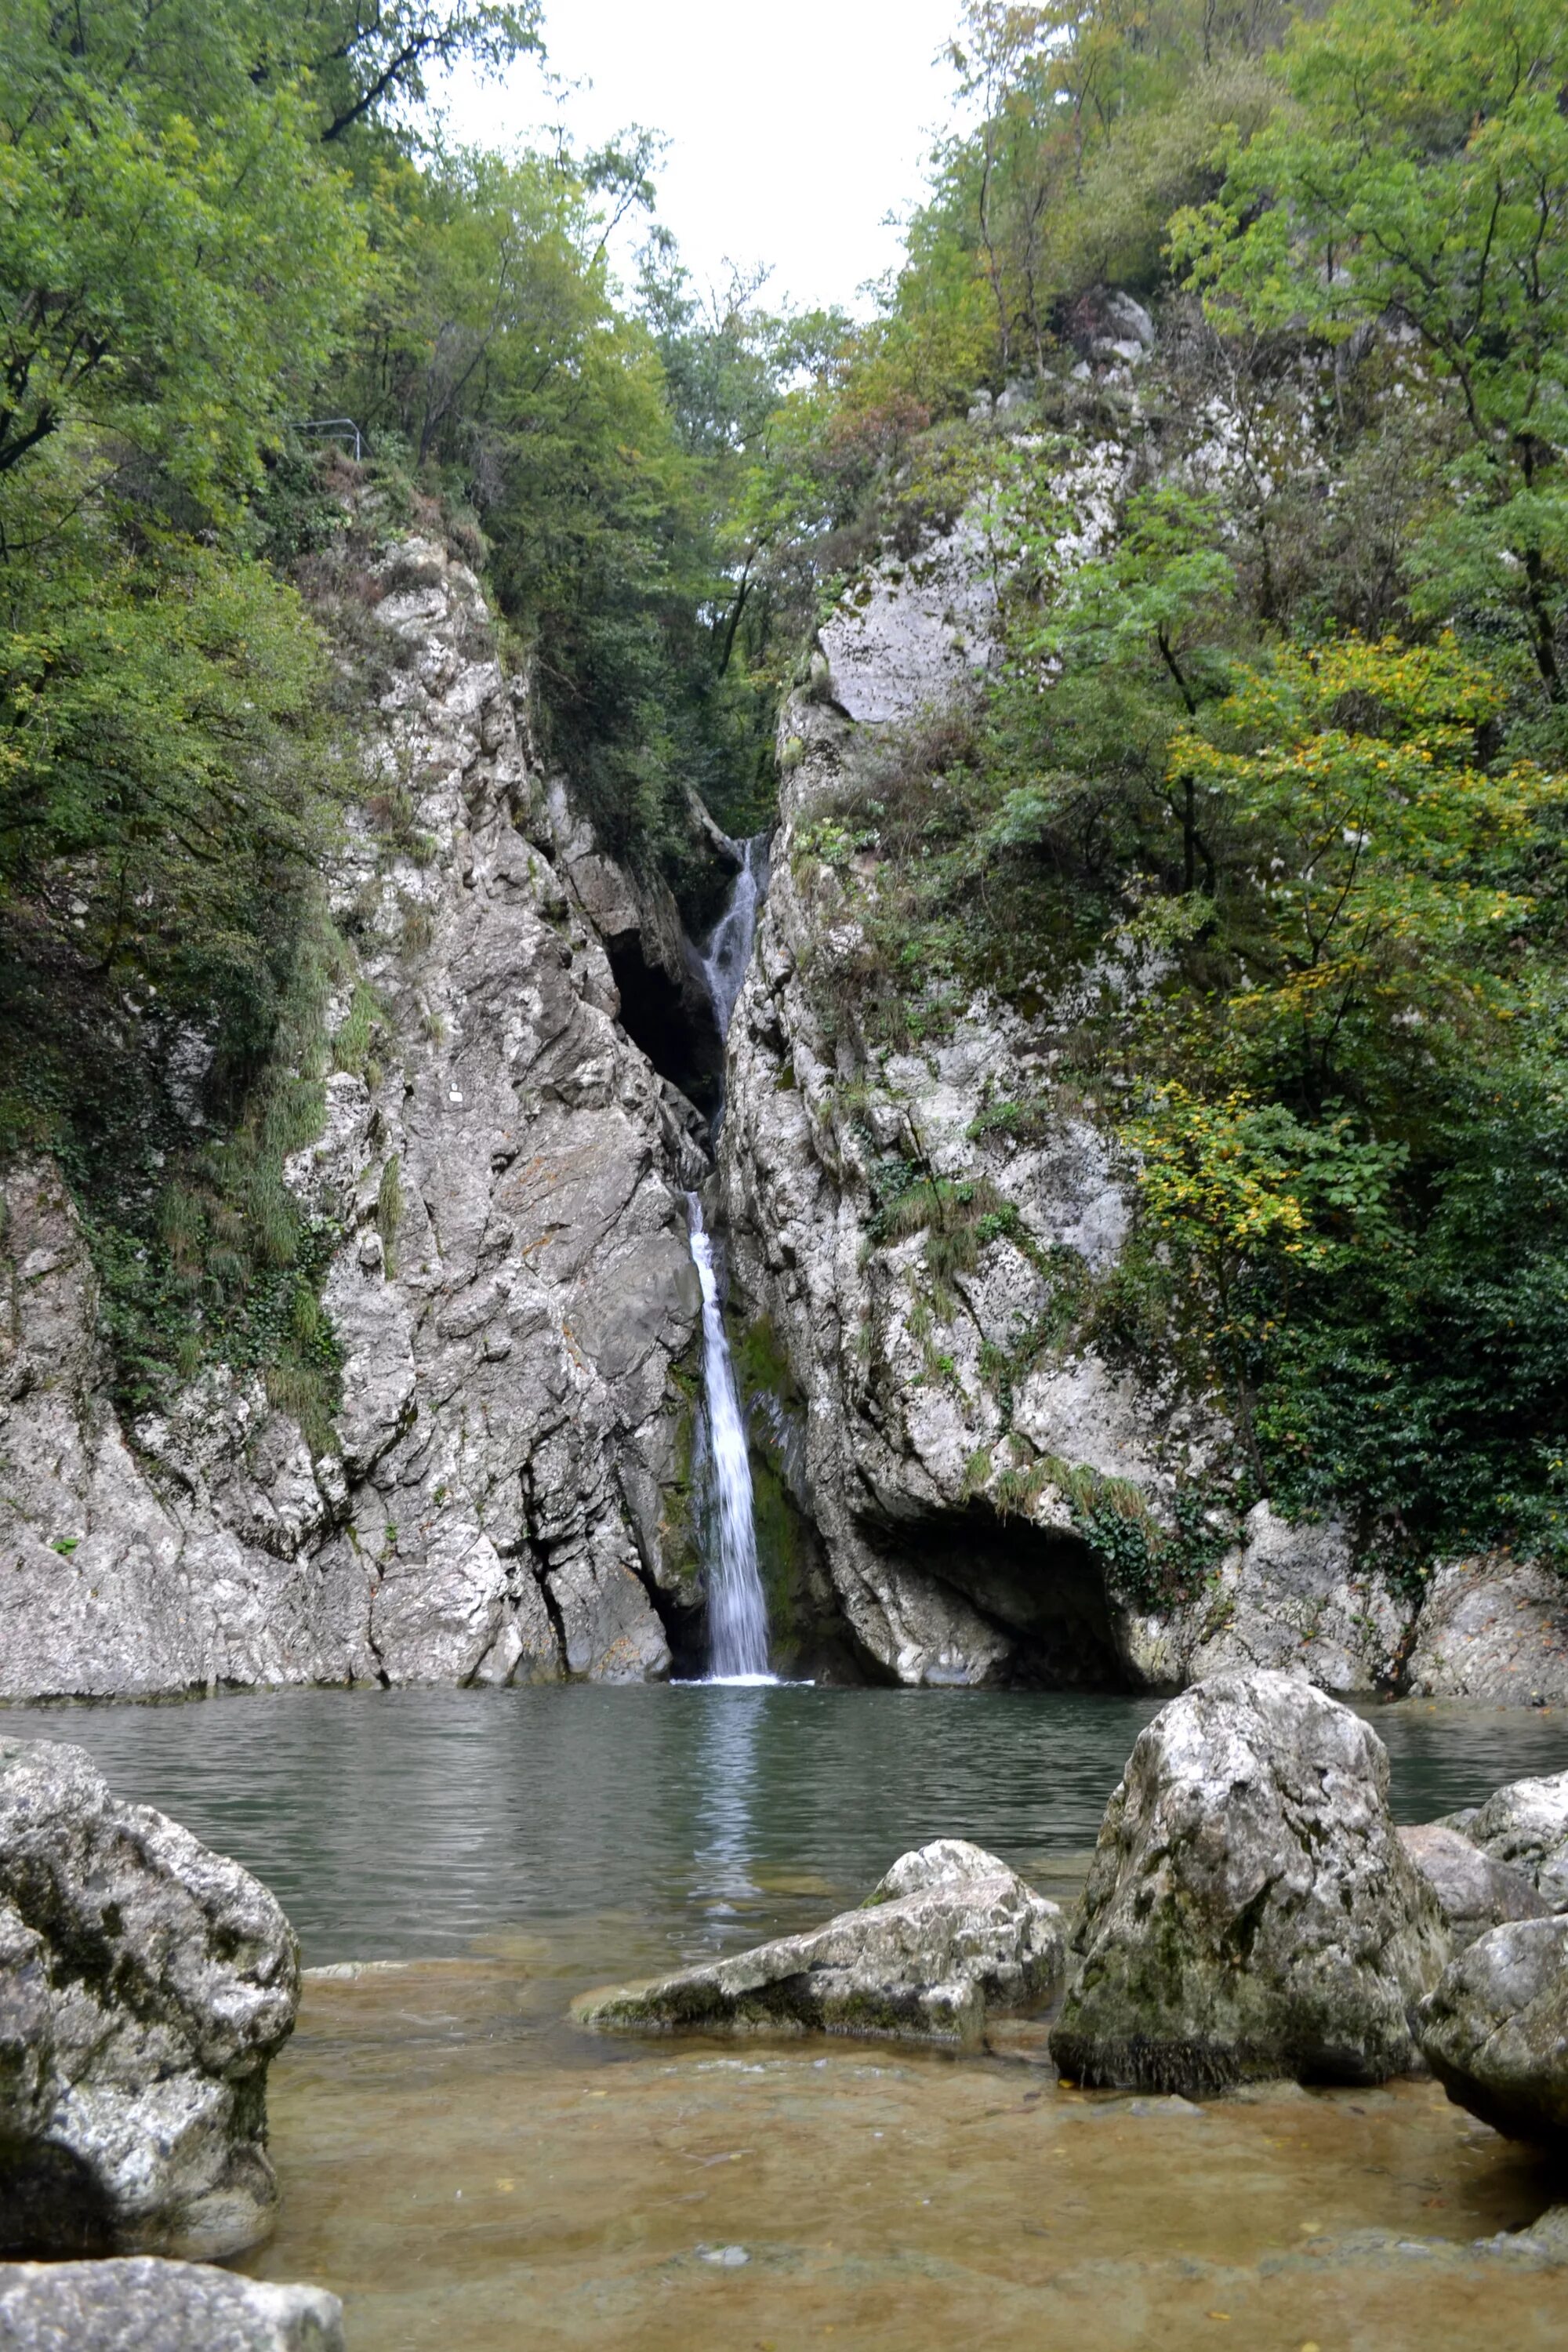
(401, 1825)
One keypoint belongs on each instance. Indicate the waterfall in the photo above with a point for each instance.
(737, 1610)
(729, 949)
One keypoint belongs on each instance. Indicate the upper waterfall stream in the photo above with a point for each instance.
(730, 948)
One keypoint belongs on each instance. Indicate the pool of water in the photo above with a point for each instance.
(403, 1824)
(472, 2173)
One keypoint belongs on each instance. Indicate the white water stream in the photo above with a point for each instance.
(729, 949)
(737, 1610)
(737, 1607)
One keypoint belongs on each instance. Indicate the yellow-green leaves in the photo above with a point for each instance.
(1206, 1181)
(1238, 1180)
(1377, 862)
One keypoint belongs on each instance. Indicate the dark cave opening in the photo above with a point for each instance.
(1042, 1587)
(673, 1022)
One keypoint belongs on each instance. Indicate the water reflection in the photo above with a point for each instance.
(724, 1858)
(406, 1823)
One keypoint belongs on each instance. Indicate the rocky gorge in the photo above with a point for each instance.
(945, 1444)
(512, 1489)
(783, 1179)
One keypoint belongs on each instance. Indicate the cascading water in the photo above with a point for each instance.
(737, 1609)
(729, 949)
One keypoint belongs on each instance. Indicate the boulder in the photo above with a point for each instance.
(948, 1936)
(1495, 2032)
(1474, 1892)
(1250, 1911)
(145, 1983)
(142, 2305)
(1526, 1823)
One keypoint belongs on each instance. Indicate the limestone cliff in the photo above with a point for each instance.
(511, 1292)
(957, 1436)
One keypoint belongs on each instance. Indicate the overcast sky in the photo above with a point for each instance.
(795, 129)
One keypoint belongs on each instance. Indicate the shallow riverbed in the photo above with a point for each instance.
(470, 2172)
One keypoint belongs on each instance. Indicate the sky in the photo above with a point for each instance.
(795, 129)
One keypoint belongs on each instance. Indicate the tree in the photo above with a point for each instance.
(1418, 189)
(162, 761)
(361, 58)
(168, 291)
(1380, 868)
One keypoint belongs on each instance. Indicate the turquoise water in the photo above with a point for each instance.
(404, 1824)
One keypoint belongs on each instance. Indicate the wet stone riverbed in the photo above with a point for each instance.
(469, 2171)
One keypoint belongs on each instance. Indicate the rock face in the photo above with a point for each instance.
(1495, 2032)
(1526, 1824)
(1474, 1892)
(952, 1446)
(918, 632)
(950, 1935)
(145, 2305)
(511, 1293)
(1493, 1630)
(941, 1484)
(1250, 1911)
(665, 1003)
(145, 1985)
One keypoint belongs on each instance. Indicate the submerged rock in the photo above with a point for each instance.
(114, 2307)
(949, 1936)
(1250, 1910)
(1526, 1823)
(145, 1984)
(1474, 1891)
(1495, 2032)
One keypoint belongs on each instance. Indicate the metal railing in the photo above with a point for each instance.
(340, 426)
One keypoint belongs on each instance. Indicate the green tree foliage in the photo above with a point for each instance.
(1096, 119)
(178, 261)
(160, 766)
(1418, 184)
(601, 450)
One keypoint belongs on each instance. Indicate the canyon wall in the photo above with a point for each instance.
(510, 1492)
(953, 1436)
(511, 1290)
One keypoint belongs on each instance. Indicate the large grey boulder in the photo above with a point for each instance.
(1474, 1891)
(142, 2305)
(145, 1984)
(1250, 1911)
(1526, 1823)
(948, 1936)
(1495, 2032)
